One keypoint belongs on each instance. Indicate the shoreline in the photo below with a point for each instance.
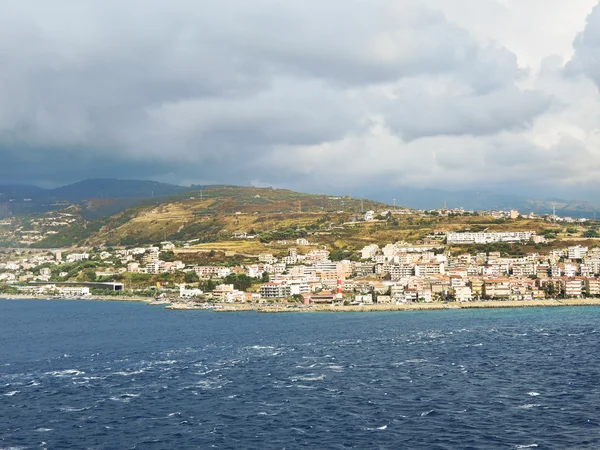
(93, 298)
(277, 309)
(290, 308)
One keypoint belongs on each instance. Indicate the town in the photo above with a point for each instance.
(433, 270)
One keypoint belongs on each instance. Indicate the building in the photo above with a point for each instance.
(488, 238)
(573, 288)
(76, 257)
(425, 269)
(275, 290)
(592, 287)
(496, 289)
(577, 252)
(369, 251)
(267, 258)
(75, 291)
(463, 294)
(398, 272)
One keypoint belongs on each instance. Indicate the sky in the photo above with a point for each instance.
(337, 96)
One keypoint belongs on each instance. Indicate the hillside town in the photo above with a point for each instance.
(386, 273)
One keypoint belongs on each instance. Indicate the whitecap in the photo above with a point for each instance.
(527, 446)
(124, 398)
(65, 373)
(173, 414)
(426, 413)
(11, 393)
(310, 378)
(72, 409)
(129, 374)
(43, 430)
(529, 406)
(168, 362)
(384, 427)
(533, 394)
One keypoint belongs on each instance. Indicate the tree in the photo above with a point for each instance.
(591, 234)
(191, 277)
(90, 275)
(265, 277)
(167, 256)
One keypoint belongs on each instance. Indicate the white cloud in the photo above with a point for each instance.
(405, 92)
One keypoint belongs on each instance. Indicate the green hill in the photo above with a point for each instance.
(209, 214)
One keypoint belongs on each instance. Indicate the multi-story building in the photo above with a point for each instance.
(592, 287)
(497, 289)
(398, 272)
(573, 288)
(463, 294)
(425, 269)
(488, 238)
(577, 252)
(275, 290)
(75, 257)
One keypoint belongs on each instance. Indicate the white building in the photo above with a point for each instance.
(75, 257)
(488, 238)
(577, 252)
(369, 251)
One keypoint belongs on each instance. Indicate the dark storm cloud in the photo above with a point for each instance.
(234, 91)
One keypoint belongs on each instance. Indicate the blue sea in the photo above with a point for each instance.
(104, 375)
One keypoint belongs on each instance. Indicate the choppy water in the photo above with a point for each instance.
(117, 376)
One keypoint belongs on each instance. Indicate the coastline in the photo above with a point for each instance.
(276, 309)
(96, 298)
(290, 308)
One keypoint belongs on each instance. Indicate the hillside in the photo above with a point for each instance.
(242, 221)
(94, 197)
(209, 214)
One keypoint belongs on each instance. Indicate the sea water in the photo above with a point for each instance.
(100, 375)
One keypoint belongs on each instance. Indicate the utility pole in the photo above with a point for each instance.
(394, 204)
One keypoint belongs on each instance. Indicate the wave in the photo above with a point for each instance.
(65, 373)
(72, 409)
(124, 398)
(310, 378)
(129, 374)
(533, 394)
(11, 393)
(382, 428)
(529, 406)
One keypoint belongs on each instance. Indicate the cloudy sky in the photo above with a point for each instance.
(345, 96)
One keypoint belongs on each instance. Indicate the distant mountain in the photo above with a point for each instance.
(485, 200)
(19, 191)
(113, 188)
